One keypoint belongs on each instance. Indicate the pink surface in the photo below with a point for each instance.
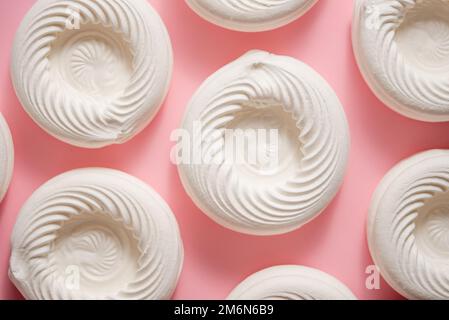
(217, 259)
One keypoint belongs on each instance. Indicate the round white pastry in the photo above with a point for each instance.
(251, 15)
(92, 73)
(408, 226)
(402, 49)
(6, 157)
(281, 181)
(291, 283)
(95, 234)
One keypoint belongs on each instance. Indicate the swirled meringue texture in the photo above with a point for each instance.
(96, 234)
(6, 157)
(251, 15)
(92, 73)
(402, 48)
(291, 283)
(266, 91)
(408, 226)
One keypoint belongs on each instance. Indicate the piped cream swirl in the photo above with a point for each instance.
(402, 48)
(408, 227)
(92, 72)
(266, 91)
(291, 283)
(95, 234)
(6, 157)
(251, 15)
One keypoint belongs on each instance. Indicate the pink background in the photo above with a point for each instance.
(216, 259)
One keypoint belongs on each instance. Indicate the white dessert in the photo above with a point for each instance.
(291, 283)
(263, 91)
(408, 226)
(92, 73)
(251, 15)
(402, 49)
(95, 234)
(6, 157)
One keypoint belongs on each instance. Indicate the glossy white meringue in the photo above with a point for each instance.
(291, 283)
(6, 157)
(251, 15)
(408, 226)
(402, 49)
(95, 234)
(266, 91)
(92, 73)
